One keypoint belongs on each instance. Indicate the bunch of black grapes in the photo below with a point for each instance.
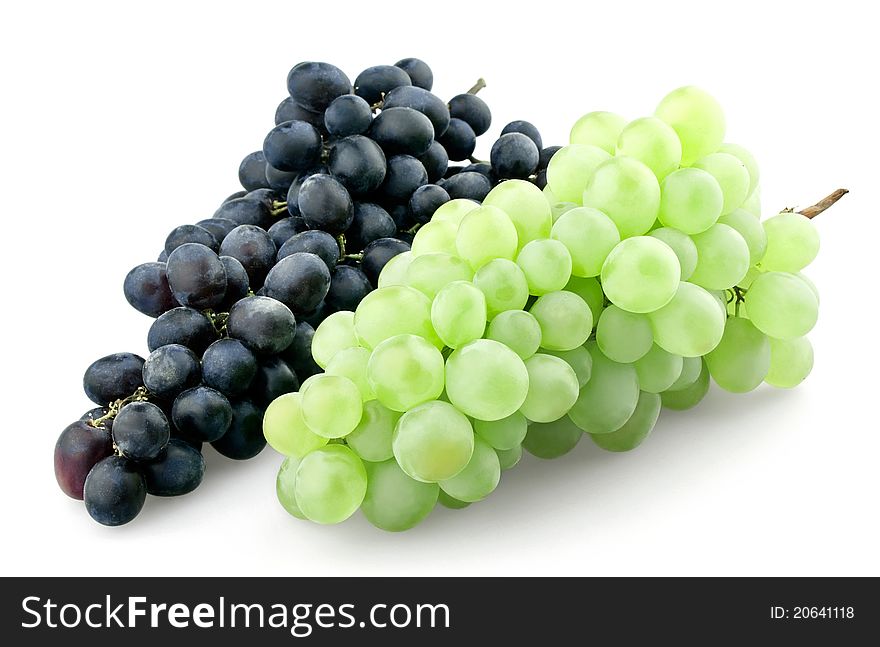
(343, 181)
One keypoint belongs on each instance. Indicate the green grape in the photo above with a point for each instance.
(430, 273)
(503, 434)
(508, 458)
(286, 431)
(548, 194)
(691, 324)
(634, 430)
(552, 439)
(750, 228)
(803, 277)
(486, 380)
(570, 169)
(722, 258)
(753, 203)
(697, 118)
(394, 272)
(546, 264)
(518, 330)
(578, 358)
(526, 207)
(658, 370)
(599, 128)
(590, 290)
(589, 235)
(739, 363)
(690, 371)
(641, 274)
(565, 320)
(405, 371)
(330, 484)
(750, 277)
(653, 143)
(285, 486)
(748, 160)
(682, 245)
(553, 388)
(458, 313)
(557, 209)
(478, 478)
(371, 439)
(792, 243)
(782, 305)
(626, 191)
(393, 500)
(485, 233)
(689, 396)
(454, 211)
(334, 334)
(412, 315)
(609, 398)
(732, 176)
(435, 237)
(448, 502)
(433, 442)
(331, 405)
(352, 363)
(791, 361)
(623, 336)
(504, 285)
(720, 297)
(691, 200)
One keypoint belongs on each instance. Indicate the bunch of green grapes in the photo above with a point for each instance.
(641, 271)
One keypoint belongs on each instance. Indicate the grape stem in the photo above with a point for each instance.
(218, 320)
(414, 228)
(340, 240)
(140, 395)
(476, 87)
(822, 205)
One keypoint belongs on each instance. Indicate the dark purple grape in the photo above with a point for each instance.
(473, 110)
(274, 378)
(202, 414)
(299, 354)
(405, 174)
(265, 325)
(171, 369)
(459, 140)
(229, 366)
(525, 128)
(185, 326)
(196, 276)
(253, 248)
(79, 448)
(426, 200)
(422, 100)
(435, 161)
(315, 242)
(252, 171)
(288, 110)
(245, 211)
(141, 431)
(178, 470)
(358, 163)
(279, 181)
(546, 155)
(300, 281)
(348, 115)
(313, 86)
(285, 228)
(348, 286)
(402, 131)
(376, 81)
(146, 289)
(378, 253)
(237, 283)
(113, 377)
(190, 234)
(114, 491)
(370, 223)
(418, 71)
(325, 204)
(219, 227)
(514, 156)
(244, 439)
(292, 146)
(469, 185)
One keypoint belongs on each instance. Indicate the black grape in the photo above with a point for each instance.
(288, 110)
(113, 377)
(279, 180)
(405, 174)
(401, 216)
(468, 184)
(316, 316)
(244, 211)
(219, 227)
(98, 412)
(541, 178)
(482, 168)
(426, 200)
(285, 228)
(178, 470)
(244, 439)
(292, 146)
(514, 156)
(267, 326)
(325, 204)
(79, 448)
(274, 378)
(253, 248)
(266, 196)
(190, 234)
(402, 131)
(348, 115)
(370, 223)
(299, 354)
(313, 86)
(312, 241)
(182, 325)
(196, 276)
(202, 414)
(300, 281)
(237, 283)
(459, 140)
(252, 171)
(418, 71)
(229, 366)
(473, 110)
(378, 253)
(376, 81)
(546, 155)
(146, 289)
(420, 99)
(435, 161)
(348, 286)
(526, 129)
(358, 163)
(141, 430)
(171, 369)
(114, 491)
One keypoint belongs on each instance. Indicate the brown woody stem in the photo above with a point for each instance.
(479, 85)
(823, 204)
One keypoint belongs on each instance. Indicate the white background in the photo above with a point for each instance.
(119, 123)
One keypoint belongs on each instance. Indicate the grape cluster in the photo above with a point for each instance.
(527, 321)
(345, 178)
